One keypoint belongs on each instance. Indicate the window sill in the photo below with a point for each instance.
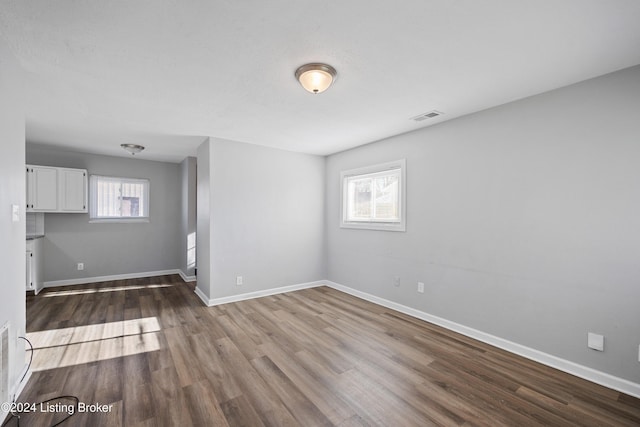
(374, 226)
(117, 220)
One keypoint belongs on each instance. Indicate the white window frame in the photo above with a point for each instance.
(93, 201)
(379, 169)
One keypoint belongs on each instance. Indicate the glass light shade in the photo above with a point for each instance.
(316, 78)
(132, 148)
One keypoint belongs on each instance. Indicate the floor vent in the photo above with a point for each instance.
(425, 116)
(4, 363)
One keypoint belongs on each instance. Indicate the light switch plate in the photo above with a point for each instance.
(15, 213)
(595, 341)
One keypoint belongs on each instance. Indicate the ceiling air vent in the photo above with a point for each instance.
(425, 116)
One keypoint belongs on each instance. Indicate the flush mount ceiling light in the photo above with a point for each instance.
(132, 148)
(316, 78)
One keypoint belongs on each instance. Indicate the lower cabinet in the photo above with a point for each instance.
(34, 265)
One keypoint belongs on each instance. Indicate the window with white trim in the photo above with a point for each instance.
(373, 197)
(119, 199)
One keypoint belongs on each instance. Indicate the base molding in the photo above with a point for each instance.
(584, 372)
(185, 277)
(96, 279)
(19, 387)
(257, 294)
(202, 296)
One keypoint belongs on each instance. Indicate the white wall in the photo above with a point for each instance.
(12, 192)
(523, 221)
(108, 249)
(266, 218)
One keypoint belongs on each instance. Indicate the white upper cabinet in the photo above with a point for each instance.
(51, 189)
(72, 190)
(42, 188)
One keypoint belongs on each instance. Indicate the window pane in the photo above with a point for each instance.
(132, 196)
(108, 198)
(387, 198)
(360, 199)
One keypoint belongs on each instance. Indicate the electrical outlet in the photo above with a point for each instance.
(421, 287)
(80, 266)
(396, 281)
(595, 341)
(238, 280)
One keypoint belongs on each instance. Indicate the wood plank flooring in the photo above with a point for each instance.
(316, 357)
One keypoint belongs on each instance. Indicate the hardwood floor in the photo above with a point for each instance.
(150, 350)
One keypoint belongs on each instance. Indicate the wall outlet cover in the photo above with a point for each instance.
(421, 287)
(595, 341)
(238, 280)
(80, 266)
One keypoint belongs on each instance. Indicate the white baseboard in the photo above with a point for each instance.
(202, 296)
(257, 294)
(96, 279)
(185, 277)
(17, 388)
(590, 374)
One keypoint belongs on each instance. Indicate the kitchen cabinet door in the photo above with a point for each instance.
(42, 188)
(73, 190)
(35, 265)
(29, 270)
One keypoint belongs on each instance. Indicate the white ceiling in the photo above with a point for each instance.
(167, 73)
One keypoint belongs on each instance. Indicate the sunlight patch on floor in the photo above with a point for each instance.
(100, 290)
(83, 344)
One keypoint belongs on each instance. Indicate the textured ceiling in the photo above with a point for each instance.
(167, 73)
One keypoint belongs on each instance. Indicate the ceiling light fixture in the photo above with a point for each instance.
(132, 148)
(316, 78)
